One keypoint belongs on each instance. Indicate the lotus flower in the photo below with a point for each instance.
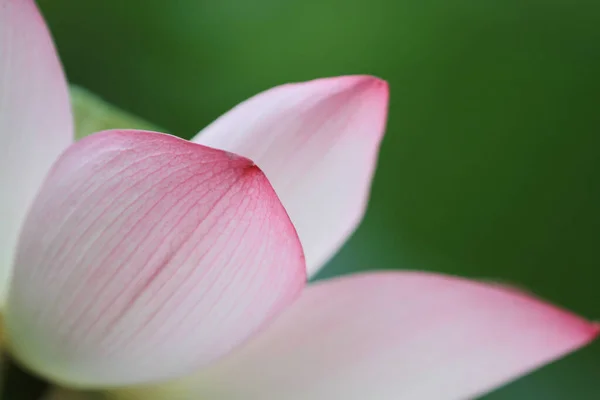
(157, 268)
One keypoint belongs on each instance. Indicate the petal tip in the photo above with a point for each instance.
(356, 84)
(594, 330)
(376, 93)
(581, 333)
(365, 84)
(376, 87)
(374, 82)
(250, 168)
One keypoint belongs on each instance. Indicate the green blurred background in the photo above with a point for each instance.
(491, 161)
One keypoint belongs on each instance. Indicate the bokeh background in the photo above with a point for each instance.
(491, 163)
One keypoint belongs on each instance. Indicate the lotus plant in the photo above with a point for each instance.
(151, 267)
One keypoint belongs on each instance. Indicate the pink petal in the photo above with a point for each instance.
(145, 257)
(317, 143)
(399, 335)
(35, 117)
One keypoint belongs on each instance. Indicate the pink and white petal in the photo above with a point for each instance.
(145, 257)
(35, 117)
(317, 142)
(384, 336)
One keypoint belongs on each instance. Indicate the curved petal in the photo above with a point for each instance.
(398, 335)
(317, 143)
(35, 117)
(145, 257)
